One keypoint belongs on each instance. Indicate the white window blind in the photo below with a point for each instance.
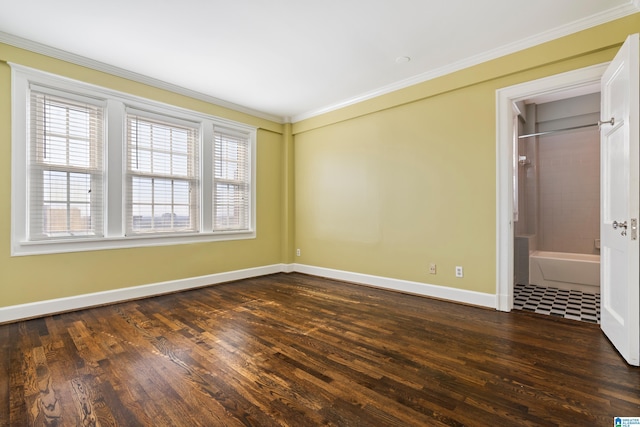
(162, 175)
(65, 167)
(231, 180)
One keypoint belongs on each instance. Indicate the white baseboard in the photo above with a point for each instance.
(417, 288)
(59, 305)
(78, 302)
(288, 268)
(505, 302)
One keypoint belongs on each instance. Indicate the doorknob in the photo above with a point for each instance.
(617, 224)
(622, 225)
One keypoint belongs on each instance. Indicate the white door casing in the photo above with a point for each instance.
(581, 81)
(620, 195)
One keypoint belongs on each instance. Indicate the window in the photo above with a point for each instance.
(162, 176)
(232, 183)
(94, 168)
(65, 167)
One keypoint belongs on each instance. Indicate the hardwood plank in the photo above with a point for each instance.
(5, 373)
(297, 350)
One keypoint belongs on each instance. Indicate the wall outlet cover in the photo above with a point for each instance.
(459, 271)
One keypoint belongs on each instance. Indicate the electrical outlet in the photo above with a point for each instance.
(432, 268)
(459, 271)
(297, 252)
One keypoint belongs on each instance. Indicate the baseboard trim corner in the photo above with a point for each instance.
(79, 302)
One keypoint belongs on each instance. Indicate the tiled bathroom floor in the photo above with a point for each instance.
(574, 305)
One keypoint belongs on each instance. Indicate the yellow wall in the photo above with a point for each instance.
(389, 185)
(383, 187)
(35, 278)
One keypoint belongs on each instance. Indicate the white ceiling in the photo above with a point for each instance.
(292, 59)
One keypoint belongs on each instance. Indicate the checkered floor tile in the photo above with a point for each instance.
(574, 305)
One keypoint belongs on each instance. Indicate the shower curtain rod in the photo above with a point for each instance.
(560, 130)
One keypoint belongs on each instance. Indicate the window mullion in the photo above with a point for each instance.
(115, 182)
(206, 166)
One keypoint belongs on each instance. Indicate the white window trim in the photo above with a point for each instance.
(114, 210)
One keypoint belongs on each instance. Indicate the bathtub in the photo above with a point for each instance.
(580, 272)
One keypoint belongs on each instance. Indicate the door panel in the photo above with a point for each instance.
(620, 194)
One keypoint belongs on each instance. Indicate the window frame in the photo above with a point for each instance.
(114, 156)
(39, 166)
(245, 185)
(192, 164)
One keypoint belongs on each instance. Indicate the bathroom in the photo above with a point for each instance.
(557, 206)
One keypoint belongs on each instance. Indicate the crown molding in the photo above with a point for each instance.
(72, 58)
(633, 6)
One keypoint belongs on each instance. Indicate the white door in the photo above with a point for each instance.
(620, 194)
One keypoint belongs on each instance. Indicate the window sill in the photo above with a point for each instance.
(24, 248)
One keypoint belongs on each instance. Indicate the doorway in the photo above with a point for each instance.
(620, 200)
(562, 86)
(557, 205)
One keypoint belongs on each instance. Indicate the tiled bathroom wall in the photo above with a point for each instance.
(527, 223)
(569, 191)
(559, 183)
(568, 175)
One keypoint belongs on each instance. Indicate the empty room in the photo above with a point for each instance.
(344, 213)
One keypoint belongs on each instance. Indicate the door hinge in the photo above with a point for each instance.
(634, 229)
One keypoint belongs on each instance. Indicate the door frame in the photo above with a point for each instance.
(505, 99)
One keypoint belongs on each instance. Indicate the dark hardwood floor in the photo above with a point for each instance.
(296, 350)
